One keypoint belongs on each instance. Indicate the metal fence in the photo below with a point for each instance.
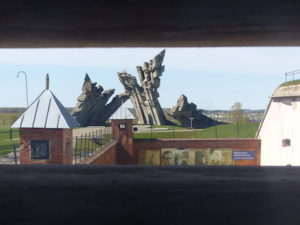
(9, 134)
(237, 130)
(87, 144)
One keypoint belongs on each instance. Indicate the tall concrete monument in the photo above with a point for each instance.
(92, 108)
(189, 116)
(144, 97)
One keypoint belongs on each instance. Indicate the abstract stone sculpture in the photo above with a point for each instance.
(184, 111)
(145, 97)
(92, 108)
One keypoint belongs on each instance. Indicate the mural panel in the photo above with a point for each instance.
(168, 156)
(201, 157)
(153, 157)
(220, 157)
(182, 158)
(149, 157)
(186, 157)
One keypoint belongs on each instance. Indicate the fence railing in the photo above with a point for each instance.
(9, 134)
(236, 130)
(89, 143)
(9, 140)
(11, 147)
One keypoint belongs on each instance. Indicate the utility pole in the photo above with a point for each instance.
(191, 122)
(26, 86)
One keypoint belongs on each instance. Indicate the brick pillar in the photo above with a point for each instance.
(122, 132)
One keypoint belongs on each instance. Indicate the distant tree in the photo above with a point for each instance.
(237, 114)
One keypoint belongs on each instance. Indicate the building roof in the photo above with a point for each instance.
(288, 89)
(122, 113)
(285, 90)
(46, 112)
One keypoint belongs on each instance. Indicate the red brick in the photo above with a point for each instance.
(58, 139)
(125, 153)
(106, 156)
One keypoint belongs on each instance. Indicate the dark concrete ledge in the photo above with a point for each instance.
(155, 23)
(145, 195)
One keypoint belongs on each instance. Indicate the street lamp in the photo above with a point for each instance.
(191, 122)
(25, 84)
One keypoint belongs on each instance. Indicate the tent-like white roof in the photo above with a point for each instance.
(122, 113)
(46, 112)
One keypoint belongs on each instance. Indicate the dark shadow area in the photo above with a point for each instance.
(133, 23)
(149, 195)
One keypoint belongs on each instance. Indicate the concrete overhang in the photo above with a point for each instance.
(156, 23)
(287, 91)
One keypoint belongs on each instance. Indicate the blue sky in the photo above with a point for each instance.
(212, 78)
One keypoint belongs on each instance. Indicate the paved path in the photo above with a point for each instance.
(147, 129)
(10, 158)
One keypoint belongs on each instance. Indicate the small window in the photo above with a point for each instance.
(40, 149)
(122, 126)
(286, 142)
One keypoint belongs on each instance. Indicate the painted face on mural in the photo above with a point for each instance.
(167, 158)
(216, 157)
(178, 157)
(182, 158)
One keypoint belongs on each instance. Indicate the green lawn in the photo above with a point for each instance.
(6, 145)
(243, 130)
(7, 119)
(293, 82)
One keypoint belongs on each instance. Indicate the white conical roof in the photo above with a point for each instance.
(122, 113)
(46, 112)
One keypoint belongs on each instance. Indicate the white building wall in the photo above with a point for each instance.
(282, 121)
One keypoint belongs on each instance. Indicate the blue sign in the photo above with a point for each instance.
(243, 155)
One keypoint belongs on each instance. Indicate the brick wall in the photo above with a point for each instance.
(235, 144)
(59, 139)
(105, 156)
(125, 151)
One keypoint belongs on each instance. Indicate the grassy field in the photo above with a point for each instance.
(5, 142)
(6, 120)
(243, 130)
(293, 82)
